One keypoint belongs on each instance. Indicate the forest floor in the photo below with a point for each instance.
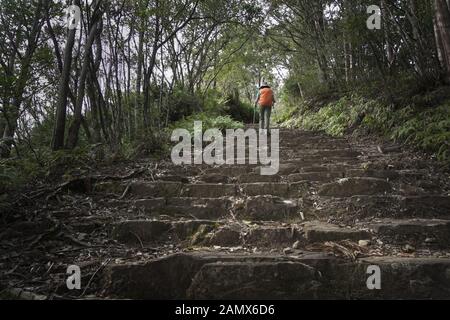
(149, 229)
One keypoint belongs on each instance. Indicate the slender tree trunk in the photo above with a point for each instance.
(387, 37)
(301, 90)
(418, 41)
(443, 27)
(2, 122)
(92, 90)
(149, 71)
(140, 58)
(439, 44)
(63, 91)
(346, 64)
(72, 138)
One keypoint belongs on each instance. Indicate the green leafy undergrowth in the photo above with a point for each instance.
(424, 127)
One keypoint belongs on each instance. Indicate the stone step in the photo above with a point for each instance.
(384, 174)
(335, 153)
(197, 208)
(433, 233)
(151, 231)
(225, 233)
(268, 208)
(283, 190)
(322, 232)
(348, 187)
(167, 189)
(255, 178)
(316, 138)
(215, 275)
(313, 173)
(303, 165)
(207, 190)
(380, 206)
(198, 170)
(325, 174)
(295, 166)
(255, 208)
(311, 148)
(311, 161)
(309, 144)
(193, 208)
(329, 168)
(315, 176)
(271, 208)
(206, 233)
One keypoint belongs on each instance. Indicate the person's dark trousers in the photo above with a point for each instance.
(264, 122)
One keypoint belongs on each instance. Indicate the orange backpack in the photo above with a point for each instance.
(266, 97)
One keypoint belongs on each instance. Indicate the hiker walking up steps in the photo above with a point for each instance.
(265, 101)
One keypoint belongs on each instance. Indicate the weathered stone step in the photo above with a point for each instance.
(311, 161)
(303, 165)
(384, 174)
(322, 232)
(192, 208)
(335, 153)
(305, 143)
(245, 178)
(348, 187)
(166, 189)
(225, 233)
(283, 190)
(268, 208)
(182, 172)
(382, 206)
(209, 275)
(313, 173)
(295, 144)
(329, 168)
(315, 176)
(256, 208)
(279, 235)
(255, 178)
(206, 233)
(150, 231)
(328, 174)
(418, 232)
(316, 138)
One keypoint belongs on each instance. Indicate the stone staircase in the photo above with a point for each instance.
(310, 232)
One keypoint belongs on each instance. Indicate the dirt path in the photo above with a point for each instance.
(154, 230)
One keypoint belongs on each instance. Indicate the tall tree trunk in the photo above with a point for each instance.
(140, 63)
(72, 139)
(418, 41)
(346, 63)
(439, 44)
(387, 37)
(2, 122)
(149, 71)
(92, 90)
(443, 27)
(63, 91)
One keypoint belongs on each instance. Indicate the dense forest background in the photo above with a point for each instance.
(132, 70)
